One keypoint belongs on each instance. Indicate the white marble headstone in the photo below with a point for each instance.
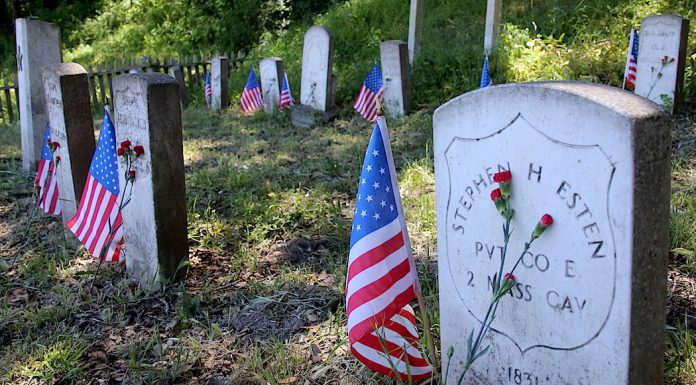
(271, 71)
(317, 58)
(38, 45)
(219, 69)
(395, 73)
(661, 56)
(588, 306)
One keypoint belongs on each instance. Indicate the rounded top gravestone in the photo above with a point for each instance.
(317, 59)
(585, 154)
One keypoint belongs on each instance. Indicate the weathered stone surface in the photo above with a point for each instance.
(148, 113)
(661, 59)
(38, 45)
(178, 75)
(317, 61)
(271, 71)
(490, 37)
(588, 304)
(305, 116)
(69, 113)
(397, 81)
(415, 28)
(219, 69)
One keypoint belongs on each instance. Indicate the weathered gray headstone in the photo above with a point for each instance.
(271, 71)
(38, 44)
(493, 10)
(178, 74)
(317, 60)
(219, 69)
(397, 82)
(415, 28)
(148, 113)
(661, 59)
(66, 93)
(588, 304)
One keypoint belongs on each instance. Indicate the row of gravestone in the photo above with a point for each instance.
(587, 306)
(318, 85)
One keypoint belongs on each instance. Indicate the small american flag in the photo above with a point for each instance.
(382, 279)
(208, 90)
(632, 61)
(251, 96)
(285, 95)
(485, 74)
(46, 178)
(97, 223)
(371, 94)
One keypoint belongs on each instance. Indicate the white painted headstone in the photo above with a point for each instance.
(317, 59)
(661, 58)
(415, 28)
(69, 114)
(148, 113)
(219, 69)
(493, 10)
(397, 81)
(38, 44)
(271, 70)
(588, 306)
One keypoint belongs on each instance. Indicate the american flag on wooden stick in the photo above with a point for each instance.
(46, 182)
(97, 223)
(382, 279)
(208, 90)
(285, 95)
(371, 94)
(251, 96)
(631, 61)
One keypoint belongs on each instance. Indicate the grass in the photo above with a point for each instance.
(269, 209)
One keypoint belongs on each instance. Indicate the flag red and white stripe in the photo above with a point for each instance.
(285, 99)
(251, 96)
(45, 180)
(381, 279)
(631, 69)
(371, 94)
(98, 222)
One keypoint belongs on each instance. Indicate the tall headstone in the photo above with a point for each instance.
(415, 28)
(66, 93)
(148, 113)
(178, 75)
(271, 81)
(219, 69)
(38, 45)
(493, 10)
(397, 81)
(588, 303)
(318, 86)
(661, 59)
(317, 61)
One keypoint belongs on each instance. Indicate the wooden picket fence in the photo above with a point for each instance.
(100, 78)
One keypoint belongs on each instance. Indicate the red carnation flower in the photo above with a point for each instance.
(139, 150)
(120, 151)
(131, 174)
(502, 177)
(509, 276)
(495, 195)
(125, 144)
(546, 220)
(57, 159)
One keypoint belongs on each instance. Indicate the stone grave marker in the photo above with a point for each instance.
(178, 74)
(38, 44)
(271, 71)
(66, 93)
(415, 28)
(397, 81)
(588, 303)
(317, 85)
(148, 113)
(219, 69)
(490, 37)
(661, 59)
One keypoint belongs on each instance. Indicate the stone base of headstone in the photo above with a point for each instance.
(306, 117)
